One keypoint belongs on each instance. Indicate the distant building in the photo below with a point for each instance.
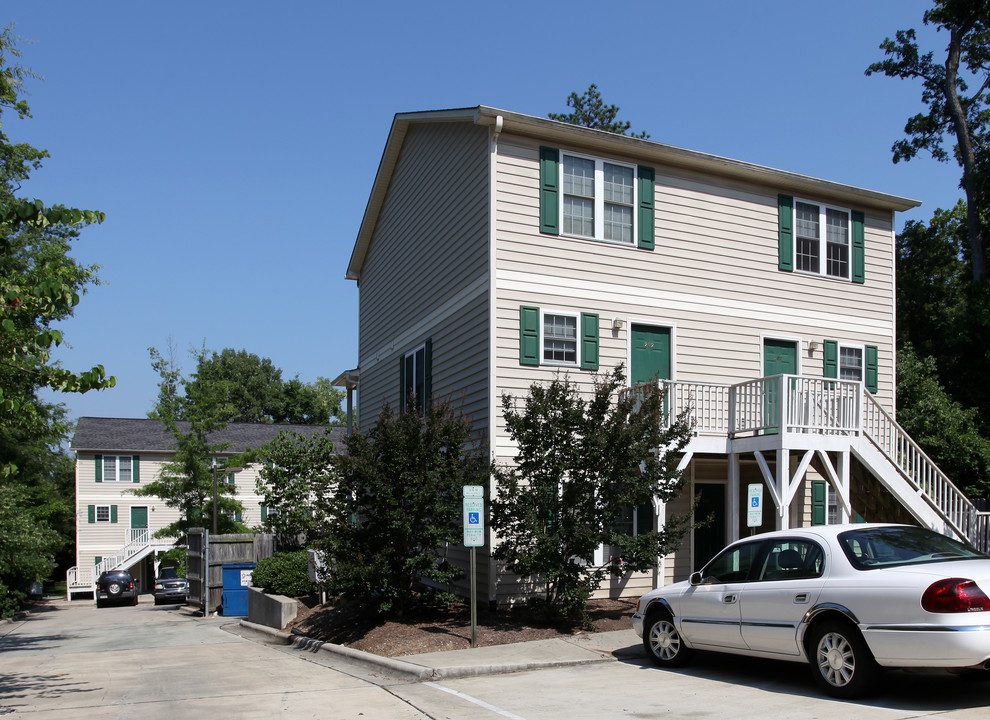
(114, 456)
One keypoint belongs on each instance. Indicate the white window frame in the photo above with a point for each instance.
(599, 199)
(822, 239)
(577, 337)
(97, 513)
(114, 460)
(862, 360)
(414, 355)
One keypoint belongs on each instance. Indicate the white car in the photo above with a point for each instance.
(847, 599)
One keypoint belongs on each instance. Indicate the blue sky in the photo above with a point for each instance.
(233, 144)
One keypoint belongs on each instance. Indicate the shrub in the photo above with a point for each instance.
(284, 573)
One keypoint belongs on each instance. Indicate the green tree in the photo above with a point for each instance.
(40, 285)
(397, 505)
(940, 312)
(251, 387)
(187, 482)
(947, 431)
(953, 110)
(580, 464)
(297, 470)
(589, 110)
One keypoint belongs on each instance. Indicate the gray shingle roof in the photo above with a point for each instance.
(142, 435)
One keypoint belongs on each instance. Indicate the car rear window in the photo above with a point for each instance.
(872, 548)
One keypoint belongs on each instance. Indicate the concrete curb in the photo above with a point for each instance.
(420, 672)
(424, 672)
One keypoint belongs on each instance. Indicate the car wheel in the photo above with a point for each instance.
(662, 642)
(99, 603)
(841, 662)
(135, 601)
(113, 589)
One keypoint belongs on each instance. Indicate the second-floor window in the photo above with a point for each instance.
(822, 240)
(599, 199)
(117, 468)
(590, 197)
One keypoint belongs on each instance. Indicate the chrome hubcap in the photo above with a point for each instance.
(836, 659)
(664, 640)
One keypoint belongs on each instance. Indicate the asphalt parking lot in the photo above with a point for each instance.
(165, 662)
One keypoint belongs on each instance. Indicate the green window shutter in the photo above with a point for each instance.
(529, 335)
(589, 341)
(113, 513)
(403, 391)
(647, 215)
(818, 502)
(831, 368)
(97, 559)
(135, 471)
(99, 468)
(237, 516)
(264, 513)
(428, 374)
(785, 232)
(858, 247)
(91, 513)
(549, 191)
(872, 375)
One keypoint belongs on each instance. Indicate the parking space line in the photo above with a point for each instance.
(476, 701)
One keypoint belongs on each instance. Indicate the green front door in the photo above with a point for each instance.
(779, 358)
(650, 356)
(139, 521)
(709, 516)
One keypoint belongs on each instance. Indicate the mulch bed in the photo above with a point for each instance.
(433, 629)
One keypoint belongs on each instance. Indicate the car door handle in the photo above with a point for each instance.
(729, 599)
(801, 598)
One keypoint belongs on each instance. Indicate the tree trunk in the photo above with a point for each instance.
(974, 228)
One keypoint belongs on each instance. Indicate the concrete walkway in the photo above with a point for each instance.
(581, 649)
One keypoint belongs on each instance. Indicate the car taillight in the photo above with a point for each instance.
(954, 595)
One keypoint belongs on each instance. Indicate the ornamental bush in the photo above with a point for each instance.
(284, 573)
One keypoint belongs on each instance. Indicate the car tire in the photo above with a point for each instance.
(99, 604)
(662, 642)
(113, 589)
(135, 601)
(841, 662)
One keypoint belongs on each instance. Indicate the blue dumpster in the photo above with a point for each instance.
(236, 579)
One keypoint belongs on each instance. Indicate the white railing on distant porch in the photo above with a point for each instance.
(136, 541)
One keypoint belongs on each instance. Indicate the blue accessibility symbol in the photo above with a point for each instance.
(474, 518)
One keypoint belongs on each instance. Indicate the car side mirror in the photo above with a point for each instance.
(695, 578)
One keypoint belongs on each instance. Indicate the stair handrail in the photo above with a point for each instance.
(923, 474)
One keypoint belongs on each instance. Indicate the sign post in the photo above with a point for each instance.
(754, 506)
(474, 537)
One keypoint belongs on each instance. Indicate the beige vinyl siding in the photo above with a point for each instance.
(713, 277)
(425, 274)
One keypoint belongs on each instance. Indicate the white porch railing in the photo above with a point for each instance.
(795, 404)
(707, 404)
(808, 405)
(919, 470)
(138, 540)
